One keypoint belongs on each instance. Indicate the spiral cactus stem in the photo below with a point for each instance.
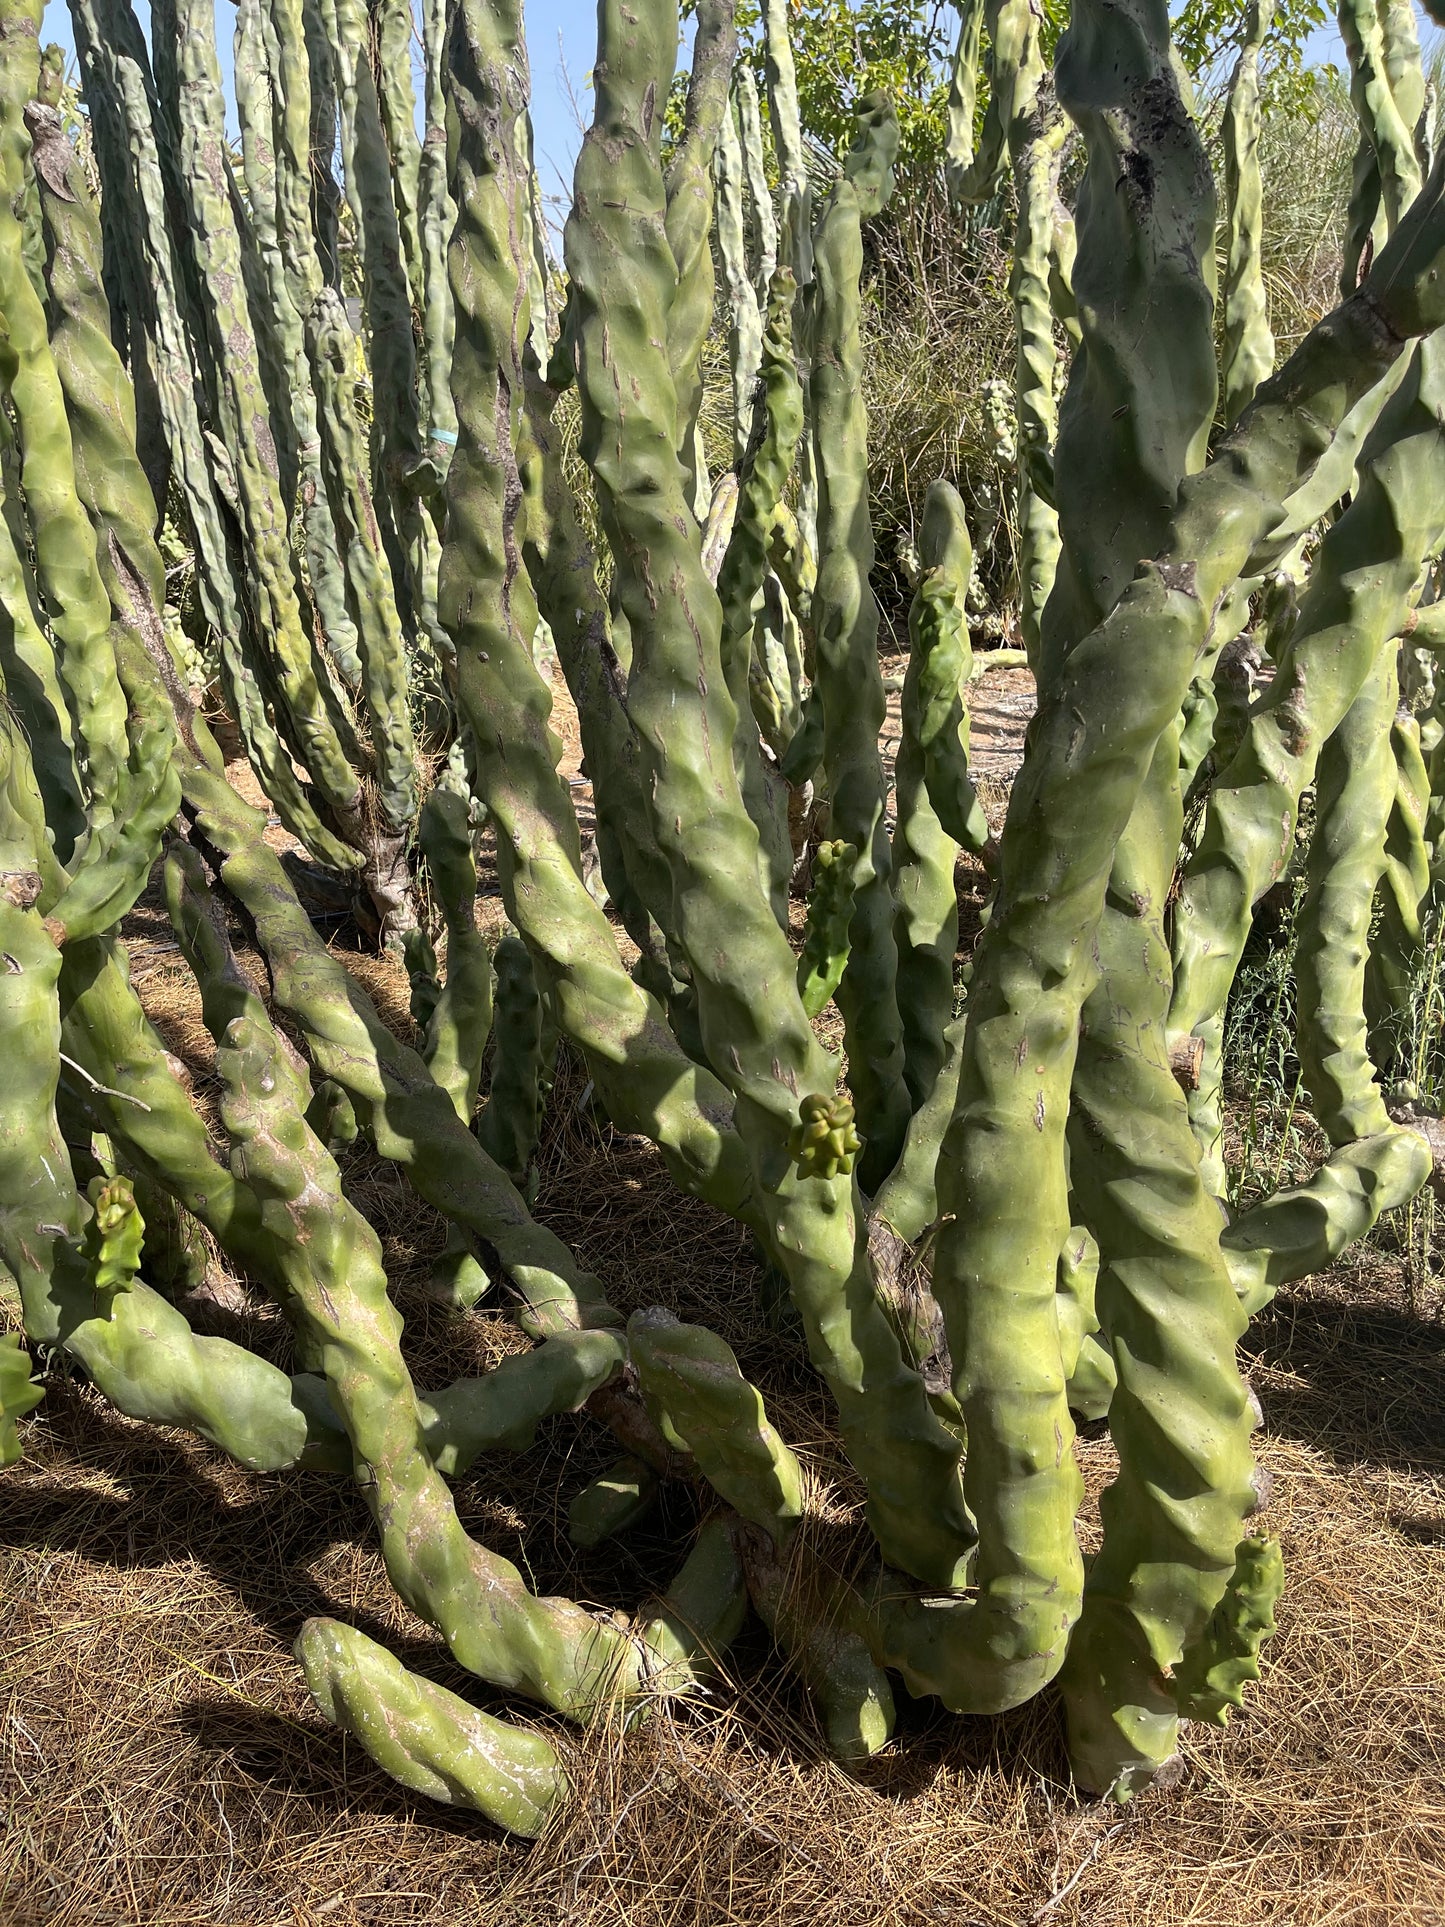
(428, 1737)
(1248, 355)
(67, 570)
(1361, 586)
(1377, 1163)
(824, 954)
(643, 1077)
(847, 678)
(1090, 752)
(689, 222)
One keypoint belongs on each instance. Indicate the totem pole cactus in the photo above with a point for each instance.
(1008, 1213)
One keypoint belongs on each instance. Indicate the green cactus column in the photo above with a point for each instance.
(753, 1025)
(1377, 1164)
(933, 721)
(438, 218)
(76, 1267)
(1397, 950)
(327, 350)
(846, 676)
(1358, 598)
(401, 467)
(120, 95)
(963, 97)
(549, 1649)
(427, 1737)
(745, 318)
(67, 576)
(1137, 410)
(1178, 1410)
(1387, 168)
(1355, 794)
(1037, 158)
(563, 569)
(643, 1077)
(1248, 354)
(777, 428)
(185, 30)
(1089, 754)
(690, 223)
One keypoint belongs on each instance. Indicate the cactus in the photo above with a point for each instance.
(1352, 608)
(1248, 343)
(845, 618)
(722, 658)
(427, 1737)
(18, 1394)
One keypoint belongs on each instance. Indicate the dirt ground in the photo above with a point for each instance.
(161, 1764)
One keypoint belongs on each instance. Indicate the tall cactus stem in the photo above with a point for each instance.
(847, 678)
(1248, 352)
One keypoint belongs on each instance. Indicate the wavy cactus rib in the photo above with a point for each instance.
(393, 27)
(689, 224)
(934, 745)
(1210, 1680)
(272, 110)
(810, 1614)
(550, 1649)
(185, 32)
(1137, 410)
(119, 92)
(563, 569)
(963, 98)
(1178, 1410)
(18, 1394)
(1387, 123)
(139, 1350)
(460, 1021)
(777, 428)
(825, 937)
(111, 488)
(1376, 1164)
(1037, 157)
(1017, 62)
(438, 218)
(409, 1116)
(745, 315)
(1397, 943)
(385, 679)
(511, 1116)
(700, 1401)
(33, 689)
(326, 349)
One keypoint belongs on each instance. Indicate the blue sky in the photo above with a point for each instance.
(561, 37)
